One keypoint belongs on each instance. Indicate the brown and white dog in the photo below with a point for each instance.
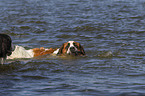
(71, 48)
(68, 48)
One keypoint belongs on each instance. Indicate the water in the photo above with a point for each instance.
(111, 31)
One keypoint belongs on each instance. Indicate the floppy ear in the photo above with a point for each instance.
(60, 50)
(81, 49)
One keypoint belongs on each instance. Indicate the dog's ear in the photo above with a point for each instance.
(82, 49)
(60, 50)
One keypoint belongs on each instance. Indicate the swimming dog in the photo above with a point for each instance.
(68, 48)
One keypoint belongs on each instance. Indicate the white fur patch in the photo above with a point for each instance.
(56, 51)
(21, 52)
(71, 45)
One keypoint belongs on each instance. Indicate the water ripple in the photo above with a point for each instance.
(111, 32)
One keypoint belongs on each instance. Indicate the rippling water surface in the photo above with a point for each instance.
(111, 31)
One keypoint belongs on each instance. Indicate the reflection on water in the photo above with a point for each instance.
(111, 31)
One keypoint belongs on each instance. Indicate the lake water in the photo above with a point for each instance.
(111, 31)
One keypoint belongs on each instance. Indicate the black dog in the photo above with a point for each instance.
(5, 47)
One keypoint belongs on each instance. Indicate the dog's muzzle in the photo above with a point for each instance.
(74, 51)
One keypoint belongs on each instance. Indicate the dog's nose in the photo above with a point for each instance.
(72, 49)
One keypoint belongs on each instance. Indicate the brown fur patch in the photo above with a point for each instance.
(63, 49)
(42, 51)
(80, 48)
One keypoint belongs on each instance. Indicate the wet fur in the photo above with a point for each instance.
(63, 50)
(5, 47)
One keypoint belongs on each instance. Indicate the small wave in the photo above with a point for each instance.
(65, 36)
(79, 28)
(16, 34)
(85, 28)
(33, 77)
(37, 22)
(10, 67)
(108, 54)
(25, 27)
(131, 94)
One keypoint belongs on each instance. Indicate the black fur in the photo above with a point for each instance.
(60, 50)
(5, 46)
(82, 50)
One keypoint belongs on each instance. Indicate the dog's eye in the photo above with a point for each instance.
(67, 46)
(75, 45)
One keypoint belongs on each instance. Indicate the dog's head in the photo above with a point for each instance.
(71, 48)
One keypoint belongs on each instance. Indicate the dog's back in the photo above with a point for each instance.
(5, 46)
